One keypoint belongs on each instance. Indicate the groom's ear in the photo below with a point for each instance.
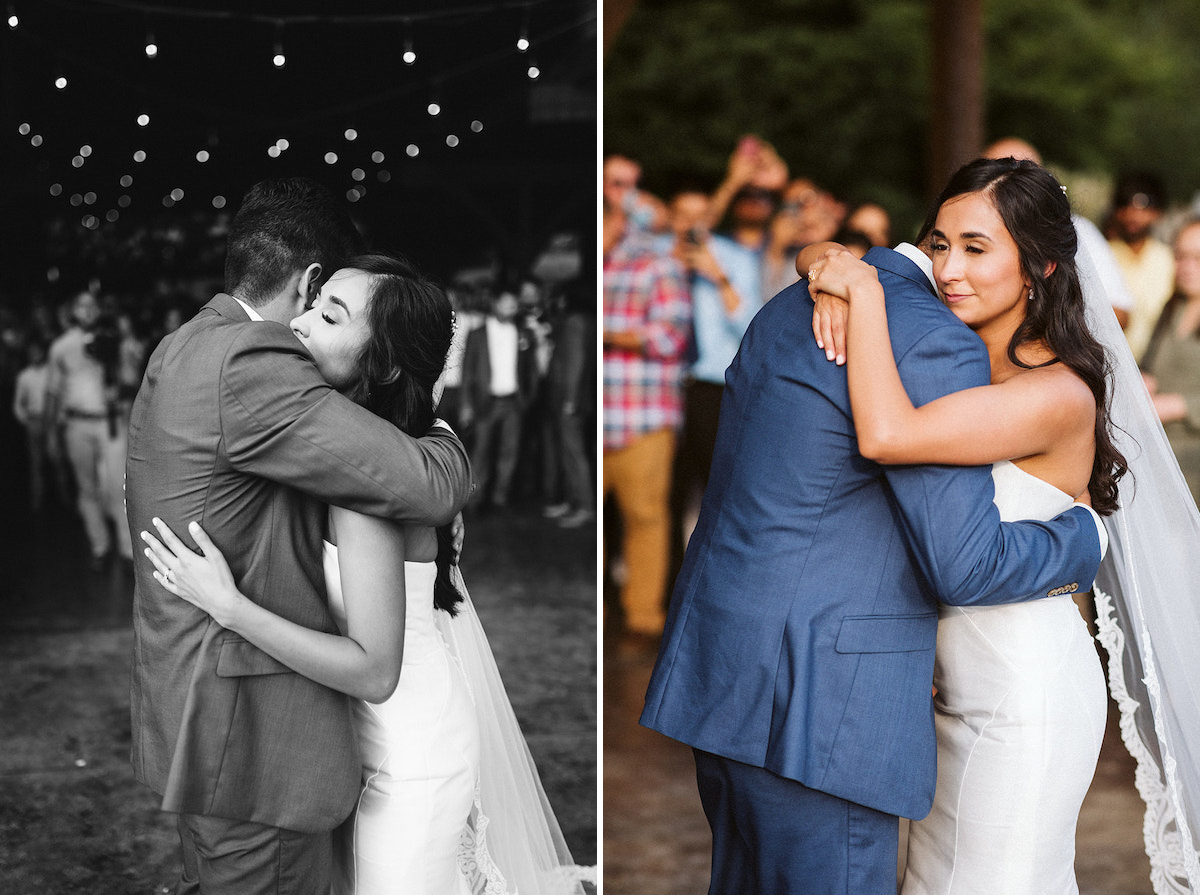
(310, 281)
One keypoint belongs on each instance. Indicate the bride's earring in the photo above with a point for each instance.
(1031, 296)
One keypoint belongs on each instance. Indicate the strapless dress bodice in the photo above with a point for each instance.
(1021, 495)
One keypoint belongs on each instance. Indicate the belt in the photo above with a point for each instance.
(86, 415)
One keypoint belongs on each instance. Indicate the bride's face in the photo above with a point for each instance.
(334, 328)
(977, 264)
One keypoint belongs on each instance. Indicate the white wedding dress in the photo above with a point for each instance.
(420, 761)
(1020, 714)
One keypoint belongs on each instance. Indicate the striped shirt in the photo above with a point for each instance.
(644, 292)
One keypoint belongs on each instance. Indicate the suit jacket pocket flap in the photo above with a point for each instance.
(241, 658)
(887, 633)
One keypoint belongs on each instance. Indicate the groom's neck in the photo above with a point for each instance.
(281, 309)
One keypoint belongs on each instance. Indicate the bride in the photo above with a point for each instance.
(451, 802)
(1021, 703)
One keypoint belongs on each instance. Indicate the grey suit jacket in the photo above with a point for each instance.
(234, 427)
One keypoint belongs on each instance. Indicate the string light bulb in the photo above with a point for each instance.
(533, 71)
(13, 20)
(151, 46)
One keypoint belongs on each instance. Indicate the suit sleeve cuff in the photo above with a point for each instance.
(1101, 531)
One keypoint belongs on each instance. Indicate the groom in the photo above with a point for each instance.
(797, 657)
(234, 428)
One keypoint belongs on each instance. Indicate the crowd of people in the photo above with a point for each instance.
(685, 274)
(519, 387)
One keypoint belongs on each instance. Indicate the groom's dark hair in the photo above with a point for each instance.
(283, 226)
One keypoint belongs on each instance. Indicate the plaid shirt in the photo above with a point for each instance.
(644, 292)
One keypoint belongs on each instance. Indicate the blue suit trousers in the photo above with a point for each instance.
(775, 836)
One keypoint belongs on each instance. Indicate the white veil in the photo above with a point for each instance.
(517, 845)
(1148, 607)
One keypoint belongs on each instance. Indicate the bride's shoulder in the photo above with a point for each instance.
(1059, 391)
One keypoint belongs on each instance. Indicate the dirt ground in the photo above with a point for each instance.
(73, 820)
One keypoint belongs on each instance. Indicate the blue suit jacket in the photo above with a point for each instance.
(801, 632)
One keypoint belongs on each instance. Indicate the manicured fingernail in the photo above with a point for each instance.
(829, 354)
(820, 344)
(193, 525)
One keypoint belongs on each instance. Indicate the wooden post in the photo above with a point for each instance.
(956, 125)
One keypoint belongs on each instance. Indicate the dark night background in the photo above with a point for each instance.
(497, 198)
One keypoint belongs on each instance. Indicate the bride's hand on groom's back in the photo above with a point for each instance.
(203, 579)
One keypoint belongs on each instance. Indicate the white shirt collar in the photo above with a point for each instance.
(254, 315)
(919, 258)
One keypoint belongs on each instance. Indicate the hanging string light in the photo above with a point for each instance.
(523, 39)
(409, 55)
(350, 134)
(13, 21)
(279, 60)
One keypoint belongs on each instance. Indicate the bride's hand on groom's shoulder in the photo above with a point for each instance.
(203, 579)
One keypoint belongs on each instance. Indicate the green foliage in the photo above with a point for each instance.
(842, 89)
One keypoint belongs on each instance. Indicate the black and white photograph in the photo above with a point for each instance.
(299, 376)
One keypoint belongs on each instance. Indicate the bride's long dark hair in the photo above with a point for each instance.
(1034, 208)
(410, 323)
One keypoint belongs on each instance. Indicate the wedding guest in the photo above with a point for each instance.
(499, 377)
(619, 185)
(1147, 262)
(131, 357)
(1173, 358)
(78, 413)
(570, 390)
(646, 318)
(809, 214)
(873, 221)
(29, 407)
(749, 192)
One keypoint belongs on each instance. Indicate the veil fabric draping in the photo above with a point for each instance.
(517, 845)
(1148, 606)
